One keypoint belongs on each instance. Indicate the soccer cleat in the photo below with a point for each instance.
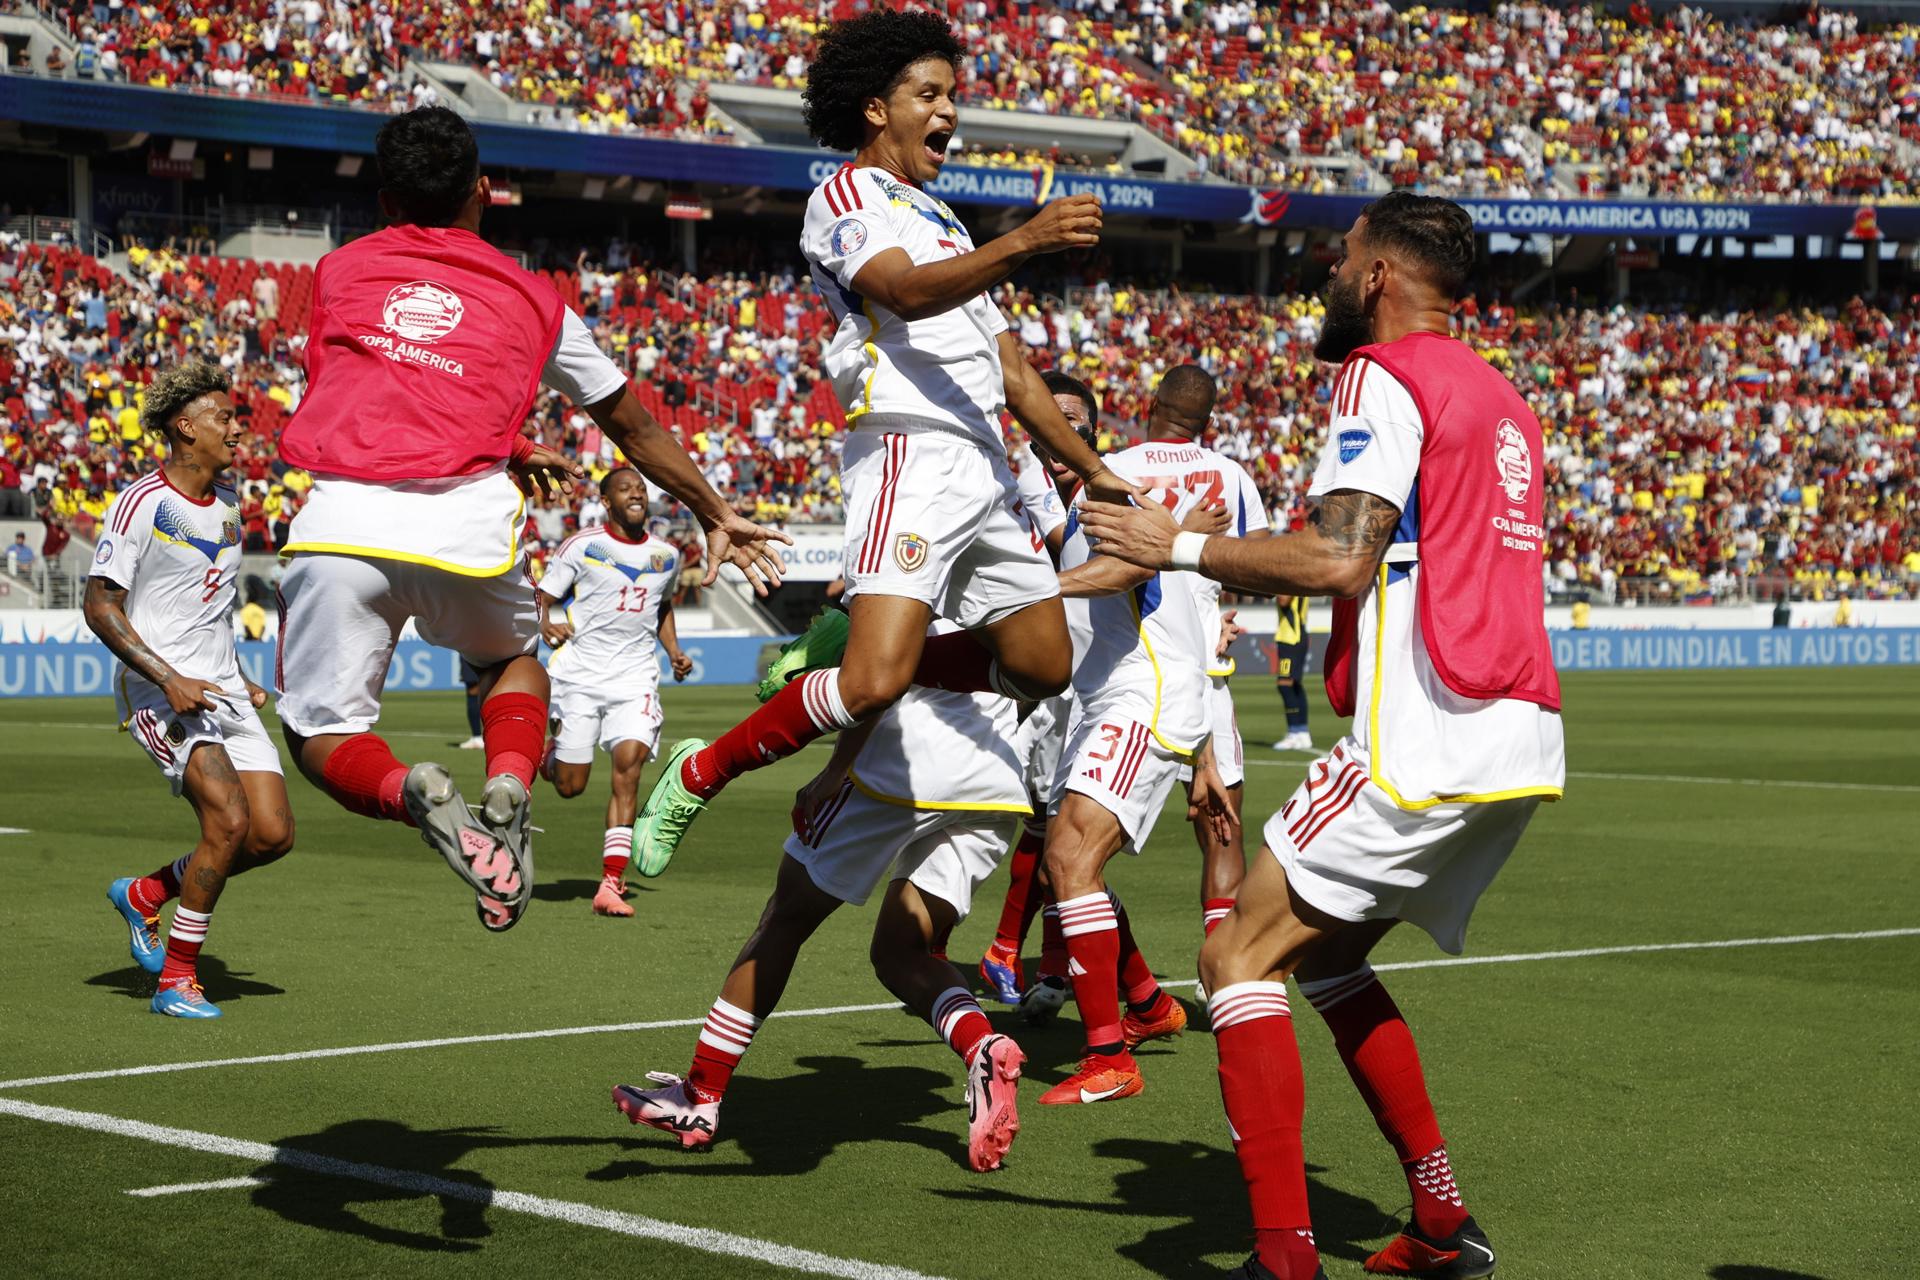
(1136, 1030)
(822, 644)
(1001, 970)
(669, 811)
(1041, 1001)
(608, 901)
(672, 1108)
(1464, 1255)
(1252, 1269)
(475, 743)
(183, 999)
(993, 1078)
(144, 930)
(1298, 740)
(476, 854)
(1099, 1079)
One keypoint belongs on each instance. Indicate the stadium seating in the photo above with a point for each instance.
(1690, 455)
(1528, 99)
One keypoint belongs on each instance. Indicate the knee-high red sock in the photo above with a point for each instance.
(1093, 945)
(1375, 1043)
(1053, 944)
(1023, 891)
(514, 726)
(1136, 975)
(363, 775)
(150, 893)
(1212, 912)
(1265, 1096)
(801, 712)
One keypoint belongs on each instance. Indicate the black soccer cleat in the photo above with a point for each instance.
(1464, 1255)
(1252, 1269)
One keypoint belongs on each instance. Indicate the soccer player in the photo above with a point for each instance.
(427, 346)
(925, 797)
(1428, 534)
(1290, 671)
(1141, 712)
(923, 363)
(160, 596)
(606, 677)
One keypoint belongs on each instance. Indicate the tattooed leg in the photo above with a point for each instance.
(214, 789)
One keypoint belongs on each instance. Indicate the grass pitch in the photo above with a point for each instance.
(1741, 1113)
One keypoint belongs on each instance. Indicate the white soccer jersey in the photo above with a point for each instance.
(941, 371)
(1150, 648)
(619, 590)
(1420, 738)
(177, 557)
(1249, 516)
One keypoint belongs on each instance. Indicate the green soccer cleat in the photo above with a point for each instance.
(822, 644)
(669, 811)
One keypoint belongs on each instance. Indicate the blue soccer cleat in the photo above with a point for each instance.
(148, 952)
(183, 1000)
(1000, 970)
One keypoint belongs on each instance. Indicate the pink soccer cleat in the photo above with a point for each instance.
(609, 900)
(673, 1108)
(993, 1077)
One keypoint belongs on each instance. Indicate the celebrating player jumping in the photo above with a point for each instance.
(427, 348)
(1428, 530)
(160, 596)
(923, 363)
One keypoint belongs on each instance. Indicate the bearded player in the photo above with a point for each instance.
(923, 363)
(605, 673)
(1428, 534)
(427, 347)
(160, 596)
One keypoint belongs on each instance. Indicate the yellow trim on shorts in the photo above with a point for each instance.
(937, 806)
(1376, 753)
(1221, 673)
(407, 557)
(873, 354)
(1185, 755)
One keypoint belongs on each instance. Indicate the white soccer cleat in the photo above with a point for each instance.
(1299, 740)
(672, 1108)
(475, 743)
(476, 854)
(506, 811)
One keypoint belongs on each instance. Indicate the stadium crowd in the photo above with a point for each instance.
(1530, 98)
(1690, 454)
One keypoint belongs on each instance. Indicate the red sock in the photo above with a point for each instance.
(363, 776)
(616, 850)
(1093, 946)
(724, 1040)
(1136, 976)
(1023, 888)
(958, 1018)
(184, 940)
(1374, 1042)
(148, 894)
(1213, 911)
(1053, 944)
(515, 728)
(1265, 1097)
(801, 712)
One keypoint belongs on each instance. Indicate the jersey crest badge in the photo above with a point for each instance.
(909, 551)
(847, 237)
(1353, 444)
(1513, 461)
(422, 311)
(103, 552)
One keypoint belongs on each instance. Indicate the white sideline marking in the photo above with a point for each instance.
(1794, 783)
(218, 1184)
(1447, 962)
(14, 831)
(580, 1215)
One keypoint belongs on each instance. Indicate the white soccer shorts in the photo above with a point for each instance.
(1349, 850)
(340, 617)
(1229, 754)
(169, 737)
(853, 842)
(937, 519)
(1038, 741)
(586, 718)
(1114, 760)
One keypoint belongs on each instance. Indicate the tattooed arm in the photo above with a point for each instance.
(1337, 553)
(106, 613)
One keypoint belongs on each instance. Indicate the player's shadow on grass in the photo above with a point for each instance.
(1201, 1186)
(1053, 1051)
(1739, 1271)
(787, 1127)
(321, 1177)
(577, 890)
(223, 985)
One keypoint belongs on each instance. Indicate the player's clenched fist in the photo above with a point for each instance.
(1071, 222)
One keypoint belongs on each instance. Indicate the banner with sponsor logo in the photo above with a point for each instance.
(1735, 650)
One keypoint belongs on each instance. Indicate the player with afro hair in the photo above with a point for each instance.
(865, 58)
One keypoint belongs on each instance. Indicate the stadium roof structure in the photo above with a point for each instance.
(115, 108)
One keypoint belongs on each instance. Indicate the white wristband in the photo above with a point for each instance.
(1186, 550)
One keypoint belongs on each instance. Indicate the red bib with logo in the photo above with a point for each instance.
(1481, 525)
(424, 352)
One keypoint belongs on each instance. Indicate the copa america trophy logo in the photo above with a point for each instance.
(422, 311)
